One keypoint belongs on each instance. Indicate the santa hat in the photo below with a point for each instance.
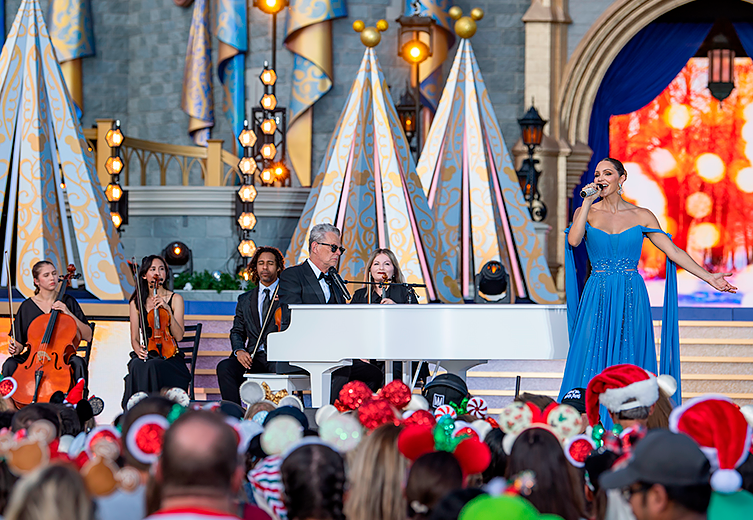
(618, 384)
(721, 431)
(76, 393)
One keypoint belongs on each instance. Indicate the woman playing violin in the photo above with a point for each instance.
(47, 286)
(382, 266)
(149, 370)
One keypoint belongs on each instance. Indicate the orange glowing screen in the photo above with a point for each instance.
(690, 160)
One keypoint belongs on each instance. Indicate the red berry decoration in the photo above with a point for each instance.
(376, 412)
(421, 418)
(354, 394)
(8, 387)
(493, 422)
(397, 393)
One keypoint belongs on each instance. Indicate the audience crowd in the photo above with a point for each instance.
(622, 448)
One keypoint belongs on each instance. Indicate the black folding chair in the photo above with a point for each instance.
(189, 346)
(86, 348)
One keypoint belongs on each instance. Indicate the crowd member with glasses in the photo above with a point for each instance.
(666, 478)
(309, 283)
(254, 317)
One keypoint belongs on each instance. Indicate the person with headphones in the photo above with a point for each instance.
(254, 317)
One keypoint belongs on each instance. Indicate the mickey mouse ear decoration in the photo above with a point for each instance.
(101, 433)
(8, 387)
(246, 430)
(251, 392)
(135, 399)
(144, 440)
(291, 400)
(97, 404)
(578, 448)
(343, 432)
(177, 395)
(279, 434)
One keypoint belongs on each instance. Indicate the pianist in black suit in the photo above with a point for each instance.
(250, 313)
(308, 283)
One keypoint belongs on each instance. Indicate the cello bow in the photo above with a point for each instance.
(10, 303)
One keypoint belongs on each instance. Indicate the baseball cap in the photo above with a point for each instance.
(662, 457)
(576, 398)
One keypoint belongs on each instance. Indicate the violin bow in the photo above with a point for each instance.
(142, 318)
(266, 321)
(10, 302)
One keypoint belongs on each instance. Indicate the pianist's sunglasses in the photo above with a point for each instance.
(333, 247)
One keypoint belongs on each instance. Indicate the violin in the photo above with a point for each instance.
(52, 340)
(162, 341)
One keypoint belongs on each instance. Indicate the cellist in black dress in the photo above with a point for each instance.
(46, 283)
(148, 371)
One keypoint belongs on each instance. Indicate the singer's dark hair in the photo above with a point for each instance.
(617, 166)
(146, 263)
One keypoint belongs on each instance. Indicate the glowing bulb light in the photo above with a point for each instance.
(114, 165)
(269, 126)
(247, 138)
(117, 220)
(268, 77)
(247, 248)
(267, 175)
(247, 221)
(247, 193)
(177, 250)
(268, 102)
(270, 6)
(710, 167)
(415, 51)
(113, 192)
(268, 151)
(247, 166)
(114, 137)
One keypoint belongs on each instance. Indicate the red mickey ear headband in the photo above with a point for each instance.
(578, 448)
(144, 439)
(8, 386)
(471, 453)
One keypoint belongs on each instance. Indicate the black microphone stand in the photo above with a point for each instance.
(411, 287)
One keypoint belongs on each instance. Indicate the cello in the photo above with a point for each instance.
(52, 339)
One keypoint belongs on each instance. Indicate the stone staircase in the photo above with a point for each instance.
(716, 356)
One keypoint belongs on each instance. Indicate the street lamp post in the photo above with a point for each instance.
(415, 51)
(532, 131)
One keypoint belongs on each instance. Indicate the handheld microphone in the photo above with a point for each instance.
(339, 282)
(587, 192)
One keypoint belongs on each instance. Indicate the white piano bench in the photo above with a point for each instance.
(277, 382)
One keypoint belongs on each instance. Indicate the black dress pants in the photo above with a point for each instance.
(230, 375)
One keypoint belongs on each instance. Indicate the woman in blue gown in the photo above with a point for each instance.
(610, 323)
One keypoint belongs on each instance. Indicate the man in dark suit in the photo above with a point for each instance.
(250, 314)
(309, 283)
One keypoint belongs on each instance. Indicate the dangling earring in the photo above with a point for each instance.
(620, 190)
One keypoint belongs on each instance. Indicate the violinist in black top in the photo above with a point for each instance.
(46, 281)
(148, 370)
(383, 267)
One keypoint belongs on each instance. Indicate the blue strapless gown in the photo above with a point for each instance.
(610, 323)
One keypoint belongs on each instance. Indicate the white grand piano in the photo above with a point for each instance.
(323, 338)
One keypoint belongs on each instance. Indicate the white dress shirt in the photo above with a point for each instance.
(322, 282)
(260, 303)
